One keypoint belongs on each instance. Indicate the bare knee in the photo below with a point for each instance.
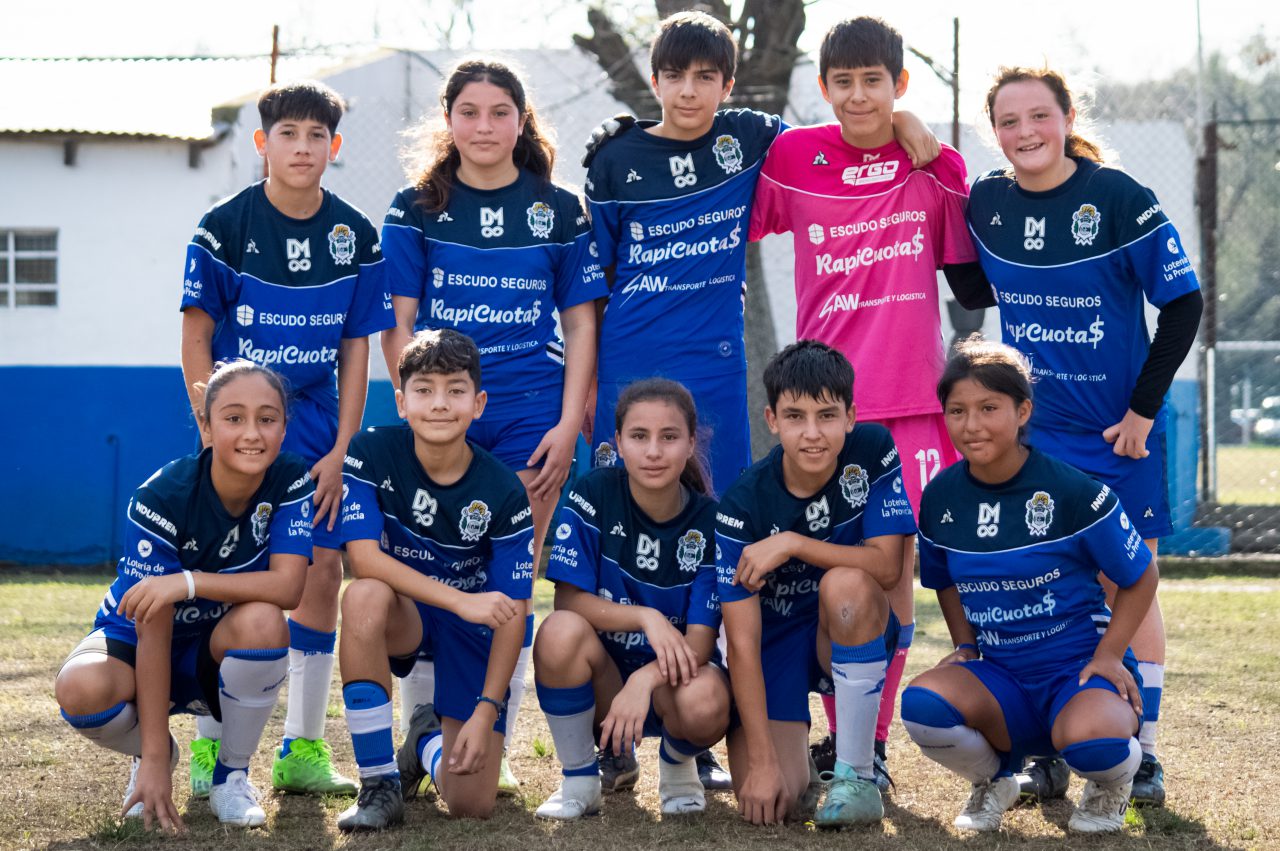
(254, 625)
(365, 603)
(852, 602)
(702, 709)
(85, 689)
(560, 637)
(1094, 714)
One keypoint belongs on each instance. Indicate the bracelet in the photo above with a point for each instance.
(968, 646)
(191, 584)
(496, 705)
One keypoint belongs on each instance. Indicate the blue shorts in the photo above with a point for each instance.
(724, 430)
(461, 662)
(512, 433)
(1031, 704)
(789, 661)
(1141, 484)
(193, 682)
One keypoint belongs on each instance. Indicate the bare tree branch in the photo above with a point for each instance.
(612, 54)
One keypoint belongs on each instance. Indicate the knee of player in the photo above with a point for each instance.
(365, 598)
(1094, 714)
(703, 708)
(254, 625)
(81, 691)
(560, 636)
(471, 806)
(847, 592)
(325, 571)
(922, 706)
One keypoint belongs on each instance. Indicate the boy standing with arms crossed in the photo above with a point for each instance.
(290, 276)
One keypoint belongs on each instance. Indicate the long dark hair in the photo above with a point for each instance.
(1077, 145)
(432, 158)
(225, 372)
(693, 476)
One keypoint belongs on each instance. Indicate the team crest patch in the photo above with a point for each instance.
(342, 245)
(855, 485)
(475, 520)
(261, 517)
(541, 219)
(606, 456)
(1039, 513)
(728, 154)
(1084, 224)
(689, 552)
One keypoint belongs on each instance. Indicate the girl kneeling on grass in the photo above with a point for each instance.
(1013, 541)
(216, 548)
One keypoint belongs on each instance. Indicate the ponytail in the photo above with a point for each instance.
(1076, 145)
(694, 475)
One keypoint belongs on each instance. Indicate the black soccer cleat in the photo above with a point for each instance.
(1148, 783)
(1045, 779)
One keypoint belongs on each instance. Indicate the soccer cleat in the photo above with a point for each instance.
(809, 798)
(379, 805)
(987, 804)
(680, 789)
(308, 770)
(235, 801)
(850, 801)
(1101, 808)
(577, 797)
(713, 775)
(204, 753)
(508, 784)
(880, 766)
(1148, 783)
(617, 773)
(1045, 779)
(134, 763)
(424, 722)
(823, 752)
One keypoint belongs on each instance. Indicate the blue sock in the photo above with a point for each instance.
(368, 709)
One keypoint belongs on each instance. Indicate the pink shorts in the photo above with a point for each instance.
(924, 448)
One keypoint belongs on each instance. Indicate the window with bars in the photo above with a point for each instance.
(28, 268)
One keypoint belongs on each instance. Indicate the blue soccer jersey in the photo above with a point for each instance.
(863, 499)
(607, 546)
(1024, 557)
(1070, 268)
(671, 217)
(495, 265)
(176, 522)
(285, 292)
(474, 535)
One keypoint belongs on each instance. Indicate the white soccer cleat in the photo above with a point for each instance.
(136, 810)
(680, 789)
(235, 802)
(1101, 808)
(987, 804)
(576, 797)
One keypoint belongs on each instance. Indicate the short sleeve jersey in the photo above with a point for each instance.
(671, 217)
(863, 499)
(285, 292)
(1070, 267)
(176, 522)
(1024, 557)
(475, 535)
(870, 233)
(495, 265)
(607, 546)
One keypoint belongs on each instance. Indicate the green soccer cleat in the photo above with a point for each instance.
(204, 753)
(508, 783)
(851, 800)
(308, 770)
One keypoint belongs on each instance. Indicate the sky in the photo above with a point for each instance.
(1125, 39)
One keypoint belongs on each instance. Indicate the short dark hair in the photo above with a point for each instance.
(861, 43)
(809, 368)
(301, 100)
(440, 351)
(999, 368)
(688, 37)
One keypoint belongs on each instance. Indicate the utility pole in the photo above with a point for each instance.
(949, 76)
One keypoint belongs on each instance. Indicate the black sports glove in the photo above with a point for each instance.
(610, 127)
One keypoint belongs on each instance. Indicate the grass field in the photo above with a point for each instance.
(1249, 475)
(1221, 724)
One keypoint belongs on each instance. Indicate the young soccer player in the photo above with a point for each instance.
(1013, 541)
(1073, 248)
(632, 641)
(483, 242)
(287, 274)
(216, 548)
(439, 538)
(809, 541)
(670, 204)
(870, 232)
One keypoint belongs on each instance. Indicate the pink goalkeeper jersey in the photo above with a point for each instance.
(870, 233)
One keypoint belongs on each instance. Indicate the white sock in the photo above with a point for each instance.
(310, 676)
(570, 713)
(250, 682)
(208, 727)
(429, 754)
(115, 729)
(858, 676)
(517, 687)
(417, 689)
(1152, 690)
(960, 749)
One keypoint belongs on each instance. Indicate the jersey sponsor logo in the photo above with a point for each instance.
(869, 255)
(606, 456)
(229, 543)
(679, 249)
(191, 546)
(541, 219)
(870, 158)
(682, 174)
(816, 234)
(995, 221)
(486, 314)
(305, 508)
(157, 518)
(731, 522)
(593, 250)
(1063, 301)
(521, 515)
(818, 513)
(395, 212)
(1147, 214)
(201, 233)
(192, 289)
(1100, 498)
(871, 172)
(1039, 513)
(244, 315)
(690, 550)
(1084, 224)
(820, 159)
(353, 462)
(946, 517)
(475, 520)
(618, 529)
(648, 551)
(283, 354)
(342, 245)
(633, 176)
(437, 277)
(888, 457)
(298, 253)
(897, 484)
(998, 615)
(261, 519)
(192, 267)
(988, 519)
(444, 217)
(563, 532)
(728, 154)
(1034, 332)
(637, 231)
(855, 485)
(424, 507)
(491, 224)
(646, 284)
(144, 548)
(987, 585)
(1172, 245)
(1033, 233)
(386, 485)
(579, 500)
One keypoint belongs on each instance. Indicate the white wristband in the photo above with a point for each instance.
(191, 584)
